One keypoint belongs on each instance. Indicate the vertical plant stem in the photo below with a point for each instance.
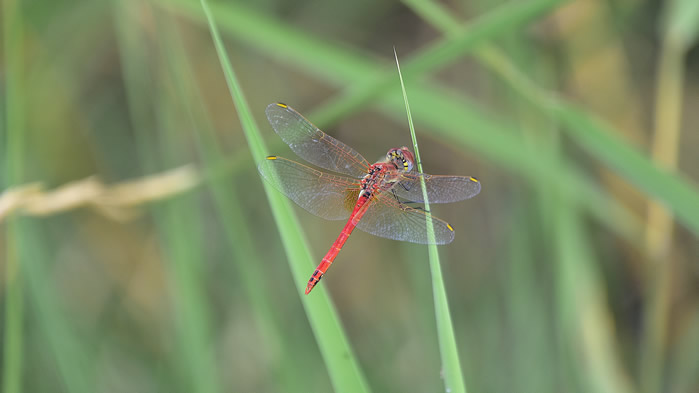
(451, 366)
(26, 248)
(660, 224)
(180, 228)
(14, 313)
(14, 155)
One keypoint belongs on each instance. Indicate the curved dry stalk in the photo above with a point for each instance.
(114, 201)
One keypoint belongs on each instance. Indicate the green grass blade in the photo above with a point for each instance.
(679, 34)
(27, 248)
(451, 366)
(684, 364)
(434, 14)
(227, 202)
(13, 336)
(602, 142)
(529, 316)
(587, 327)
(69, 349)
(180, 228)
(13, 136)
(342, 366)
(681, 26)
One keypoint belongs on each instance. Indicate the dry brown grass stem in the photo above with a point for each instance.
(117, 201)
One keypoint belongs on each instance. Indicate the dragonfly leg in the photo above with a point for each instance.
(395, 196)
(405, 203)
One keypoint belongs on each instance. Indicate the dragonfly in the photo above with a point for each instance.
(372, 197)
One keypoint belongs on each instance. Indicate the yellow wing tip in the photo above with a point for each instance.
(282, 105)
(474, 179)
(450, 228)
(271, 157)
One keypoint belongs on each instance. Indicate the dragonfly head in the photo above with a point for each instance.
(402, 158)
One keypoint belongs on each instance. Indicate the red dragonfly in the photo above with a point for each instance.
(373, 196)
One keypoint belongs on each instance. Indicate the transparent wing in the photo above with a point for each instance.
(312, 144)
(388, 218)
(440, 189)
(328, 196)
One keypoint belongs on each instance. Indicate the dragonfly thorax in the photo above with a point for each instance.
(381, 176)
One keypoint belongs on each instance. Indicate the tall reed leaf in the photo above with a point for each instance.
(453, 378)
(342, 366)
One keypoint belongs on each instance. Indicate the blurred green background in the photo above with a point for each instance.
(576, 269)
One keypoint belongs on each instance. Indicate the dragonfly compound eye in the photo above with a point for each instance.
(408, 159)
(401, 158)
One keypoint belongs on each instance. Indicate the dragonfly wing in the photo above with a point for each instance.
(388, 218)
(328, 196)
(440, 189)
(312, 144)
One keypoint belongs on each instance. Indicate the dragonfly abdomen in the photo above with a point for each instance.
(328, 259)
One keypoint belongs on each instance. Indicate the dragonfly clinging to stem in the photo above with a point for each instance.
(370, 196)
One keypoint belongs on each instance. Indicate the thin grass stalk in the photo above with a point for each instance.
(587, 343)
(180, 227)
(27, 246)
(530, 328)
(343, 369)
(518, 81)
(451, 366)
(13, 335)
(14, 314)
(534, 220)
(70, 352)
(665, 144)
(660, 221)
(209, 149)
